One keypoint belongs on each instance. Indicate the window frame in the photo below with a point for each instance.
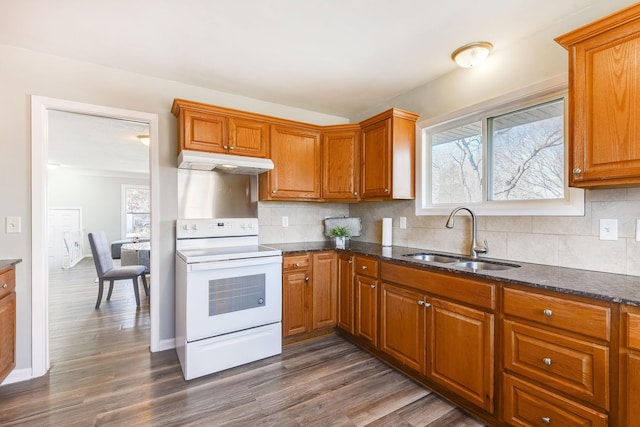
(123, 206)
(573, 204)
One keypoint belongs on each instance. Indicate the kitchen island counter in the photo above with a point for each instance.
(612, 287)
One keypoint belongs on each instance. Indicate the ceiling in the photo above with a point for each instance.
(338, 57)
(81, 143)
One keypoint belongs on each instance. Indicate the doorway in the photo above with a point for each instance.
(42, 109)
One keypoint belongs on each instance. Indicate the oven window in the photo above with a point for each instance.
(236, 294)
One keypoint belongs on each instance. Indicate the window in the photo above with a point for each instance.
(136, 211)
(506, 157)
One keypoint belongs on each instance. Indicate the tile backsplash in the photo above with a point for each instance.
(560, 241)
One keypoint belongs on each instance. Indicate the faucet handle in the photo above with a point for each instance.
(482, 249)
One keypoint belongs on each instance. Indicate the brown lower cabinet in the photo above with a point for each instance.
(630, 367)
(7, 321)
(309, 292)
(346, 292)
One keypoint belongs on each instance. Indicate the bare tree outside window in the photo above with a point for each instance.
(137, 211)
(456, 165)
(527, 149)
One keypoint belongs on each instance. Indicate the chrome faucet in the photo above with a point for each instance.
(475, 249)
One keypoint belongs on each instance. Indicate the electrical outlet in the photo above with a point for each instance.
(403, 222)
(13, 224)
(637, 230)
(608, 229)
(285, 221)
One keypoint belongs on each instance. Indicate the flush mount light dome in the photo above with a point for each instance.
(472, 54)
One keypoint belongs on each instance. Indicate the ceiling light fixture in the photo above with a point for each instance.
(472, 54)
(144, 139)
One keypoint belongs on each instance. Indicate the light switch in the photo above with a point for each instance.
(608, 229)
(13, 224)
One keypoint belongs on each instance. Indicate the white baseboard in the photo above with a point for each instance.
(163, 345)
(18, 375)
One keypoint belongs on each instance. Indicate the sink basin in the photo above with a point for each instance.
(426, 256)
(485, 265)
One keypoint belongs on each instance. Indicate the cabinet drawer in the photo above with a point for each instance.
(366, 267)
(632, 331)
(528, 405)
(296, 262)
(587, 319)
(7, 281)
(573, 366)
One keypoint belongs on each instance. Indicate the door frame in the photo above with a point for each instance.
(39, 206)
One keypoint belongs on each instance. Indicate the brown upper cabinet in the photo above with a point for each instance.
(388, 156)
(373, 159)
(212, 129)
(341, 163)
(297, 157)
(604, 101)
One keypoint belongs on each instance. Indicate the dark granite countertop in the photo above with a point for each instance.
(4, 263)
(593, 284)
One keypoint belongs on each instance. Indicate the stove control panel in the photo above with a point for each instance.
(216, 227)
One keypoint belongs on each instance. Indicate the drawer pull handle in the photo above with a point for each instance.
(297, 264)
(546, 420)
(547, 361)
(547, 312)
(5, 286)
(364, 267)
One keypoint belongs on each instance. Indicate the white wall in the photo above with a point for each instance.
(24, 73)
(569, 242)
(100, 198)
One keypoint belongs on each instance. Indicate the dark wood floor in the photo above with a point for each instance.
(102, 373)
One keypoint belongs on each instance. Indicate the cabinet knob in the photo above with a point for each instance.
(547, 361)
(386, 190)
(355, 193)
(420, 302)
(226, 147)
(5, 286)
(577, 171)
(364, 267)
(350, 262)
(231, 147)
(306, 279)
(547, 312)
(373, 286)
(297, 264)
(273, 191)
(546, 420)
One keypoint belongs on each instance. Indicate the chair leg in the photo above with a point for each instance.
(100, 288)
(110, 290)
(144, 283)
(135, 290)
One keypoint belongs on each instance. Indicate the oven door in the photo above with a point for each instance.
(230, 296)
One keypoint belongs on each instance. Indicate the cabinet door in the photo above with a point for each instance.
(605, 104)
(248, 137)
(7, 334)
(461, 351)
(204, 132)
(325, 289)
(345, 293)
(295, 297)
(367, 309)
(402, 325)
(630, 367)
(375, 177)
(297, 172)
(341, 166)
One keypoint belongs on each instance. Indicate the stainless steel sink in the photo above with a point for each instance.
(485, 265)
(426, 256)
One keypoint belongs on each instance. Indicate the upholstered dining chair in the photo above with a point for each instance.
(106, 270)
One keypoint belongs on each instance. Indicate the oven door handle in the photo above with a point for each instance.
(234, 263)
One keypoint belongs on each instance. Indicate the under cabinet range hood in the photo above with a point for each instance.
(228, 163)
